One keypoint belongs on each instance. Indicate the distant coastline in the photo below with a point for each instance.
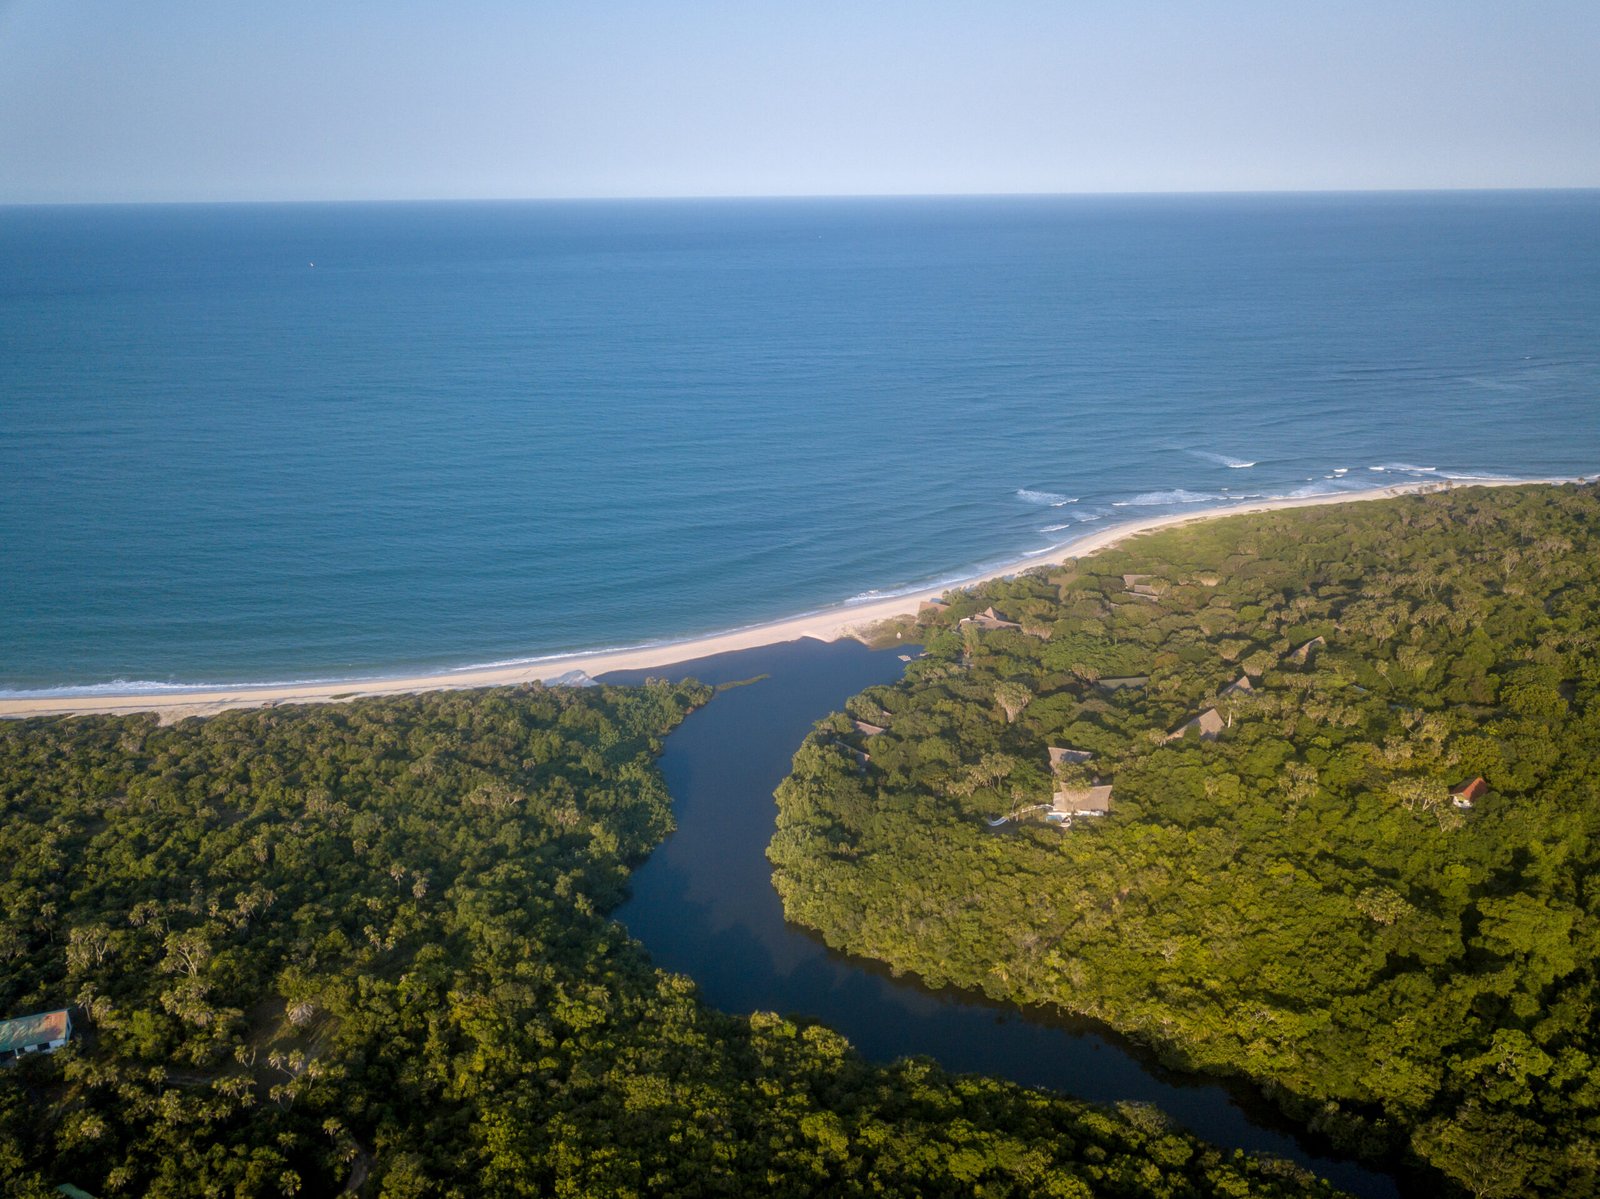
(829, 624)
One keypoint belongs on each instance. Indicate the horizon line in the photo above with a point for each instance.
(688, 197)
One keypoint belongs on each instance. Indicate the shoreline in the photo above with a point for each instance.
(829, 624)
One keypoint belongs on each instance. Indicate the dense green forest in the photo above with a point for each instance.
(362, 949)
(1299, 900)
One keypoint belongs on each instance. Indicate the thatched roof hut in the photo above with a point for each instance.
(1209, 722)
(1082, 801)
(1118, 684)
(1062, 755)
(1303, 653)
(990, 619)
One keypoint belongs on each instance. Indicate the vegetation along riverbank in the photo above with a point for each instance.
(1347, 846)
(364, 949)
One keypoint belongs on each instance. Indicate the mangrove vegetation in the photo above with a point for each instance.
(1353, 755)
(363, 949)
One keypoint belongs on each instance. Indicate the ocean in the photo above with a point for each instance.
(253, 443)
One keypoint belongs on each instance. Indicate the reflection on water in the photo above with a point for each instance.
(703, 904)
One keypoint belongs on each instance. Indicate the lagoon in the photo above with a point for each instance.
(704, 906)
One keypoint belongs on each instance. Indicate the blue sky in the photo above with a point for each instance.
(351, 99)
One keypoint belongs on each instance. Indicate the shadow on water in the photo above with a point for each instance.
(704, 906)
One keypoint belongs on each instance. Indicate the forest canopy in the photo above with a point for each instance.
(1310, 887)
(363, 949)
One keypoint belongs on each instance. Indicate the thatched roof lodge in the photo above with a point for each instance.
(1303, 653)
(859, 756)
(1209, 722)
(931, 608)
(572, 678)
(989, 619)
(1062, 755)
(1135, 585)
(1081, 801)
(1135, 680)
(1464, 795)
(1240, 686)
(867, 730)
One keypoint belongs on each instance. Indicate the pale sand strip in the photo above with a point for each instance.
(828, 625)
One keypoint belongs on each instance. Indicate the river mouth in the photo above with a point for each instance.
(704, 906)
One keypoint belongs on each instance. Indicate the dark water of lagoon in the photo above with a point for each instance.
(704, 906)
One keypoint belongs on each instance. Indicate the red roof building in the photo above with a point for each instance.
(41, 1033)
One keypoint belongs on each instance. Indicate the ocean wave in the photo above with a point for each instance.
(352, 683)
(1177, 495)
(1045, 499)
(152, 687)
(1221, 459)
(1077, 517)
(873, 595)
(1405, 468)
(1307, 490)
(1435, 472)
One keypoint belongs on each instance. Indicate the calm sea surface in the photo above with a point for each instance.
(480, 432)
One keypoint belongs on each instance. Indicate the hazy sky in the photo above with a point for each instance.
(212, 99)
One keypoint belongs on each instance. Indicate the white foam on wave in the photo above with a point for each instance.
(1435, 472)
(1045, 499)
(942, 583)
(152, 687)
(1307, 490)
(1227, 460)
(1178, 495)
(1173, 497)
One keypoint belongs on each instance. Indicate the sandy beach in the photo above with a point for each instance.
(828, 625)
